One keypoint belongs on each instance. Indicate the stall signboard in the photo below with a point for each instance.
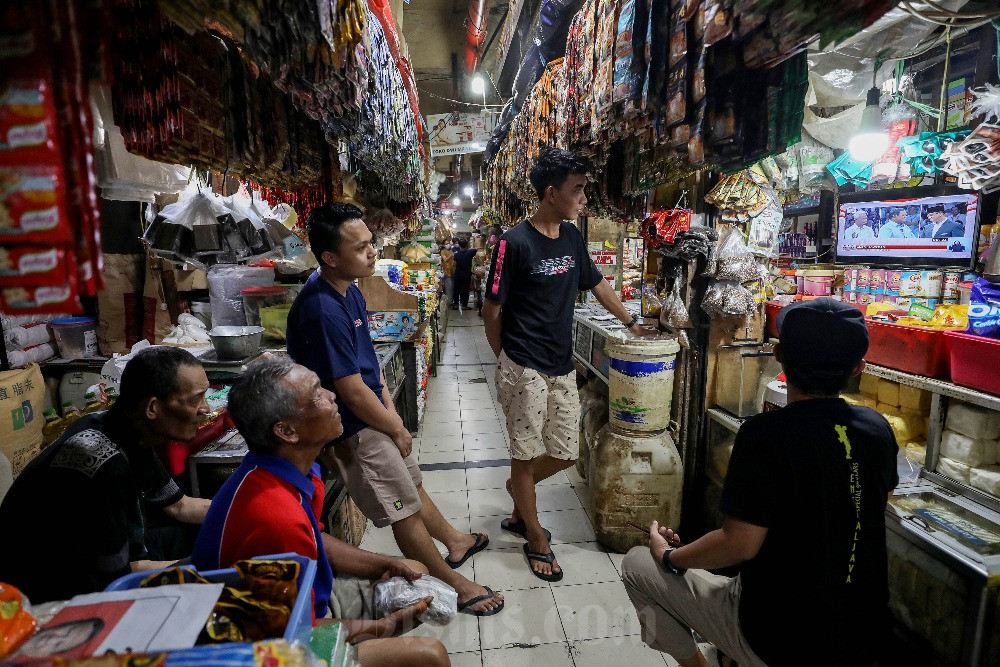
(460, 133)
(604, 257)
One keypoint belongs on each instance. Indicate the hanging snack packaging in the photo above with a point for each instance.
(718, 23)
(663, 226)
(29, 265)
(38, 300)
(27, 122)
(764, 230)
(32, 205)
(678, 36)
(984, 309)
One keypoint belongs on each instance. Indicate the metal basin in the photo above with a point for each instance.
(235, 342)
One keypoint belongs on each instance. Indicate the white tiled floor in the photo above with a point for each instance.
(586, 619)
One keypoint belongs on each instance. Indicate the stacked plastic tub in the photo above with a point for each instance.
(634, 469)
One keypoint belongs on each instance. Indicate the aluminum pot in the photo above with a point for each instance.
(235, 342)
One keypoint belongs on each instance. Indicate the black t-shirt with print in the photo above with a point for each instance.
(77, 516)
(816, 474)
(536, 279)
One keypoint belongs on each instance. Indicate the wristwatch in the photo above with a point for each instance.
(679, 571)
(635, 321)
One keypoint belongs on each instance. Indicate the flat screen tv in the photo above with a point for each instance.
(935, 226)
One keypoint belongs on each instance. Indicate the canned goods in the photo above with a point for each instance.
(863, 283)
(850, 279)
(877, 281)
(909, 283)
(932, 284)
(892, 278)
(950, 283)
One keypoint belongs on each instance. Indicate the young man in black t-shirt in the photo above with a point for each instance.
(538, 269)
(804, 500)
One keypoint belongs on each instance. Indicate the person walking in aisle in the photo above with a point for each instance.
(537, 270)
(448, 267)
(804, 500)
(463, 273)
(328, 334)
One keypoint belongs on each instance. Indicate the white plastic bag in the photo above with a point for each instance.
(398, 593)
(111, 371)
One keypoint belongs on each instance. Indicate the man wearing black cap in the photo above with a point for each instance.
(804, 500)
(940, 226)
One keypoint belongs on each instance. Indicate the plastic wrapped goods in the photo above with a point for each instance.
(398, 593)
(888, 392)
(23, 337)
(972, 452)
(224, 286)
(953, 469)
(973, 421)
(913, 398)
(986, 479)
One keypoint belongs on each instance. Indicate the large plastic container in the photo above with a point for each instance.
(640, 382)
(75, 336)
(635, 478)
(975, 361)
(772, 310)
(914, 350)
(255, 298)
(299, 626)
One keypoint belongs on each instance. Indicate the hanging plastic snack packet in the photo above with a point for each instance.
(674, 314)
(984, 309)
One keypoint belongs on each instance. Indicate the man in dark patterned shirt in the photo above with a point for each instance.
(77, 517)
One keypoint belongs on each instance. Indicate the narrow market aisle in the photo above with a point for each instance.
(586, 619)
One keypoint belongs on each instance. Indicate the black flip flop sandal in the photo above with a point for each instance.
(518, 528)
(549, 558)
(482, 541)
(463, 607)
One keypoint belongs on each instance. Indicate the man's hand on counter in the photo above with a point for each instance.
(642, 330)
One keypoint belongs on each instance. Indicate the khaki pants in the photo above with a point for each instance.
(670, 606)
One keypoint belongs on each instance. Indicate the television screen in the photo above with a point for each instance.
(896, 227)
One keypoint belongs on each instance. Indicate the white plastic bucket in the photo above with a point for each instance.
(640, 382)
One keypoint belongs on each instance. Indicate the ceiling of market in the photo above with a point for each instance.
(435, 30)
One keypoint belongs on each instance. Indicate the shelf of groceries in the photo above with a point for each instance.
(935, 386)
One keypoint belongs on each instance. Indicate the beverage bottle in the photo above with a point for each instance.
(93, 404)
(53, 427)
(70, 413)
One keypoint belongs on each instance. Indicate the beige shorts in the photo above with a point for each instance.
(381, 482)
(352, 598)
(543, 411)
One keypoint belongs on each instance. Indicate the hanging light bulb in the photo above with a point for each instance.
(478, 84)
(456, 201)
(468, 190)
(870, 141)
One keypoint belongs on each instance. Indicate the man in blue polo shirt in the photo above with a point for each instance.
(328, 334)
